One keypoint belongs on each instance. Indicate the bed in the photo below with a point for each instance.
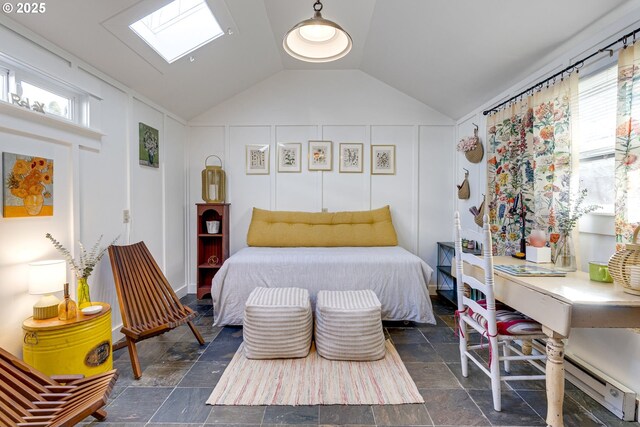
(305, 254)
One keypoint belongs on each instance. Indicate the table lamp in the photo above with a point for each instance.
(45, 278)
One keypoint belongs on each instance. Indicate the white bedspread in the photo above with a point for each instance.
(398, 278)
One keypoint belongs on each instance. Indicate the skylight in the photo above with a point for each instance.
(178, 28)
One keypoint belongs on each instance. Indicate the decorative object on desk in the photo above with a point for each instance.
(351, 158)
(599, 272)
(257, 162)
(28, 186)
(568, 216)
(46, 278)
(67, 309)
(87, 261)
(537, 251)
(634, 278)
(383, 160)
(527, 270)
(622, 263)
(149, 141)
(289, 155)
(464, 191)
(538, 238)
(320, 155)
(213, 227)
(213, 182)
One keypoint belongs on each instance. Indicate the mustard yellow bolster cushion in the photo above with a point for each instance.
(296, 229)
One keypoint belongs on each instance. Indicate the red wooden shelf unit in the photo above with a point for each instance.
(213, 249)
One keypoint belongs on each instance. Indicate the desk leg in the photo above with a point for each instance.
(555, 378)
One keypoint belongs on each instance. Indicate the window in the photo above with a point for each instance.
(178, 28)
(4, 84)
(597, 122)
(36, 88)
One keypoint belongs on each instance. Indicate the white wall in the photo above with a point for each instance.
(614, 351)
(340, 106)
(95, 180)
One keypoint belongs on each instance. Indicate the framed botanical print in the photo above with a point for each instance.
(383, 159)
(320, 156)
(351, 158)
(289, 157)
(257, 160)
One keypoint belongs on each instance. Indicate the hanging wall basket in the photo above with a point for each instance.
(475, 155)
(464, 191)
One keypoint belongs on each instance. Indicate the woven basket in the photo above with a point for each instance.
(621, 261)
(479, 219)
(464, 190)
(475, 155)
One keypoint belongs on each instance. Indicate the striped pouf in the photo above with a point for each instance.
(349, 325)
(278, 323)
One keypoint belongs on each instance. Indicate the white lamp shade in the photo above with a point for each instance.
(317, 40)
(47, 277)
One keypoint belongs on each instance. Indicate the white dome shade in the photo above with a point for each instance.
(317, 40)
(47, 277)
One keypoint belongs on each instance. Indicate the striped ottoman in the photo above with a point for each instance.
(349, 325)
(278, 323)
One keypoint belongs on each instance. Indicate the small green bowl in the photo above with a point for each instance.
(599, 272)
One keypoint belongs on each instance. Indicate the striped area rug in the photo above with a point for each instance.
(315, 381)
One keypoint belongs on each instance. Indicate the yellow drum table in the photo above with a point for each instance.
(78, 346)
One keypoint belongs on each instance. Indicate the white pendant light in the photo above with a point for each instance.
(317, 39)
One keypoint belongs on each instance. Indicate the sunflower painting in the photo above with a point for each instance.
(28, 186)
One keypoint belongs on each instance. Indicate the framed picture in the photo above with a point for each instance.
(289, 157)
(320, 156)
(28, 186)
(257, 160)
(351, 158)
(149, 138)
(383, 159)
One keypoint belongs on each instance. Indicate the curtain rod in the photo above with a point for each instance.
(570, 69)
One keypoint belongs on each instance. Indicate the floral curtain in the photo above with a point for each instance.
(529, 165)
(628, 144)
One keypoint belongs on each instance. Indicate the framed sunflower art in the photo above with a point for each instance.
(28, 186)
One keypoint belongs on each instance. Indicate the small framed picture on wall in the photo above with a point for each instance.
(351, 158)
(383, 159)
(257, 160)
(289, 157)
(320, 156)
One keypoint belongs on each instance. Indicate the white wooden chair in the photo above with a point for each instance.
(500, 324)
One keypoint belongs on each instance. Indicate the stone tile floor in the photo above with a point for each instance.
(179, 375)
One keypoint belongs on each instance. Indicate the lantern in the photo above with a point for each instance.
(213, 182)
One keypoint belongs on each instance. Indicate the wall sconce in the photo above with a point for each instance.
(45, 278)
(213, 185)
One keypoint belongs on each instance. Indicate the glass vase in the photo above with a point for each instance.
(84, 299)
(67, 309)
(565, 254)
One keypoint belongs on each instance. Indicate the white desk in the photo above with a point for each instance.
(559, 304)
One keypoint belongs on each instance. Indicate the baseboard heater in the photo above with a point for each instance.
(616, 397)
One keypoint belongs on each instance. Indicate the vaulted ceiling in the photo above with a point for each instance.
(450, 55)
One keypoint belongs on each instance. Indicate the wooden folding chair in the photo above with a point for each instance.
(28, 398)
(148, 304)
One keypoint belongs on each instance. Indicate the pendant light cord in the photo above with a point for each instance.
(570, 69)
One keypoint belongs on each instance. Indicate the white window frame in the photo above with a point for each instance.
(4, 83)
(18, 73)
(601, 153)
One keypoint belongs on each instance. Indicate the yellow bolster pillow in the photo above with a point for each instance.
(296, 229)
